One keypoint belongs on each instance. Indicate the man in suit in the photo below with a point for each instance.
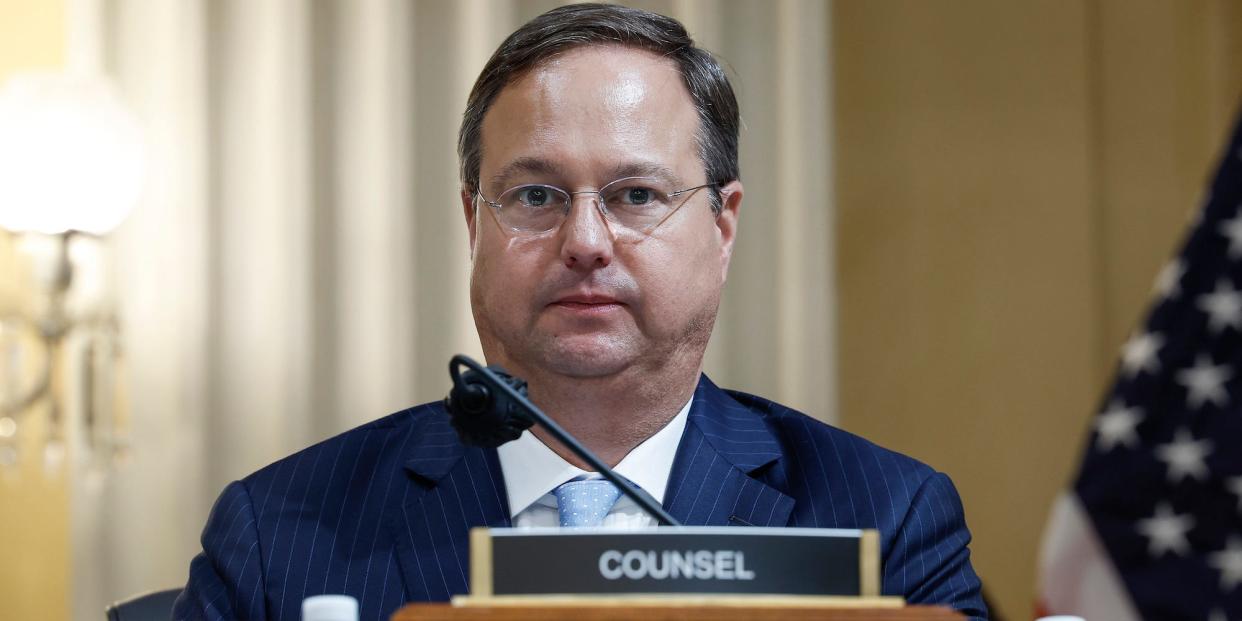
(601, 195)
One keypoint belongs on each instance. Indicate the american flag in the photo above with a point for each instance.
(1152, 528)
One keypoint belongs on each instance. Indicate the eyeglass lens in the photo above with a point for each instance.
(636, 204)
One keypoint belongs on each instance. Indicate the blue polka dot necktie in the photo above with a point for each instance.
(585, 502)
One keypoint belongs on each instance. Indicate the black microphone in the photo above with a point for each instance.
(489, 408)
(483, 417)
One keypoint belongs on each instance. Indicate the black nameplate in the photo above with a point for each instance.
(688, 560)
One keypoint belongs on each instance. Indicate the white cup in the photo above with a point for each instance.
(329, 608)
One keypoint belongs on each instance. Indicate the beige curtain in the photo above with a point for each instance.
(299, 264)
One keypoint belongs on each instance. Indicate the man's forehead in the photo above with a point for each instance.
(599, 63)
(601, 57)
(622, 97)
(617, 78)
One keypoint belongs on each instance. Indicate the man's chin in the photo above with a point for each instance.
(586, 358)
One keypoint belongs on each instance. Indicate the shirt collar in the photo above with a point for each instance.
(531, 469)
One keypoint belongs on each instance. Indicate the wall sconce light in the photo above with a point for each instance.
(71, 169)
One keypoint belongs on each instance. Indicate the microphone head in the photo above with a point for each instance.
(483, 415)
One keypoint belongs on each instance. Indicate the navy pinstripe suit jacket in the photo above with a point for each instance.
(381, 512)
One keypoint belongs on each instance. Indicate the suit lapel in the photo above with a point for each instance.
(725, 447)
(450, 488)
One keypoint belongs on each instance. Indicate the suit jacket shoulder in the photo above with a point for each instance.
(858, 483)
(837, 479)
(317, 521)
(302, 474)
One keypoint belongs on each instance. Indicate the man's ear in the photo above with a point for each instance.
(726, 223)
(467, 206)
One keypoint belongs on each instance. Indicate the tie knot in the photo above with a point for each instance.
(585, 502)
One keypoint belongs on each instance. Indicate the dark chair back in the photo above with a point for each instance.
(154, 606)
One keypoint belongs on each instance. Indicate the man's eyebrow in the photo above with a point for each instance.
(645, 169)
(538, 166)
(521, 166)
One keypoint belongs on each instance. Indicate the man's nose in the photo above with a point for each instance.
(586, 235)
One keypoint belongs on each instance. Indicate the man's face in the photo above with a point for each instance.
(588, 299)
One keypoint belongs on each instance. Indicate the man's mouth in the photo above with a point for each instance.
(587, 303)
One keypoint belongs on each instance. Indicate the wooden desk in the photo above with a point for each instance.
(693, 609)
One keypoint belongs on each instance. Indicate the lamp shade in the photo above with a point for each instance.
(71, 156)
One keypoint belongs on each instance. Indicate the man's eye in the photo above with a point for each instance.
(634, 196)
(638, 196)
(535, 196)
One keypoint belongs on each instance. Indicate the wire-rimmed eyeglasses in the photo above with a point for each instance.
(636, 204)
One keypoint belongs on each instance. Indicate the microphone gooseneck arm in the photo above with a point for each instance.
(496, 384)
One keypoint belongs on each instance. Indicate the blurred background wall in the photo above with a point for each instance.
(1012, 176)
(34, 504)
(954, 212)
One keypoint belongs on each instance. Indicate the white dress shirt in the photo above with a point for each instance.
(532, 471)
